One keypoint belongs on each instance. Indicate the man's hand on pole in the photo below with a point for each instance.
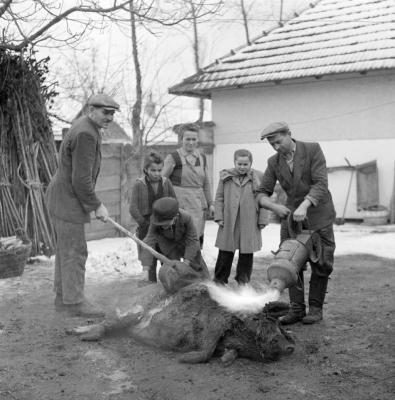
(102, 213)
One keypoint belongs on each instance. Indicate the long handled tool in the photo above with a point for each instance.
(341, 221)
(132, 236)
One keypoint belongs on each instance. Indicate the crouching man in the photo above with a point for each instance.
(173, 233)
(300, 168)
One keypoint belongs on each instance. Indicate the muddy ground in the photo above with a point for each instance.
(350, 355)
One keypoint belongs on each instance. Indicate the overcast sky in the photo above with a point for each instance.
(166, 58)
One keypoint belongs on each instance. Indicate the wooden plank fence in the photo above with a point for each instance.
(118, 171)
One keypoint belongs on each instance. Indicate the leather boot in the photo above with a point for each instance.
(298, 308)
(317, 292)
(314, 315)
(152, 274)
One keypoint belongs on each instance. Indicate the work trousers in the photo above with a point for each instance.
(141, 232)
(70, 259)
(320, 271)
(223, 267)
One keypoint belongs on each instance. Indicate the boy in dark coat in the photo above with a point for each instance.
(147, 189)
(300, 168)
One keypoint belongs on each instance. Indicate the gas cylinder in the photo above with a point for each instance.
(292, 255)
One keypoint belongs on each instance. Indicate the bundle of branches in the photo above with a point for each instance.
(27, 149)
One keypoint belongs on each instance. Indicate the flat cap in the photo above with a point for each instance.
(103, 100)
(164, 210)
(274, 128)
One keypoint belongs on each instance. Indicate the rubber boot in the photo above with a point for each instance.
(317, 292)
(298, 308)
(152, 274)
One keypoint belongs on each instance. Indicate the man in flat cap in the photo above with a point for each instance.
(300, 169)
(71, 198)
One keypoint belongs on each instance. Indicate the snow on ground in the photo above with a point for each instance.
(113, 256)
(116, 257)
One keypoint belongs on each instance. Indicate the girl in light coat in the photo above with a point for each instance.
(239, 218)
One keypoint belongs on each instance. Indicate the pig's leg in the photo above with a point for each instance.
(204, 355)
(229, 356)
(110, 324)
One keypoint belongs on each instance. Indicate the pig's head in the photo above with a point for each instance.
(258, 337)
(272, 340)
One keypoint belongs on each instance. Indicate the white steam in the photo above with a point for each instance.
(242, 299)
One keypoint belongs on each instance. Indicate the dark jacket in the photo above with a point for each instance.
(139, 207)
(71, 193)
(309, 178)
(180, 242)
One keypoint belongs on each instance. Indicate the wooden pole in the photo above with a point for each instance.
(392, 205)
(156, 254)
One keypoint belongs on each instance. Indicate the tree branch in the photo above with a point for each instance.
(5, 6)
(84, 9)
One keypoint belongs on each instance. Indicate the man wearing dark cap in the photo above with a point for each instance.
(173, 233)
(300, 168)
(71, 198)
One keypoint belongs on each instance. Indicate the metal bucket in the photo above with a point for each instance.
(292, 256)
(288, 262)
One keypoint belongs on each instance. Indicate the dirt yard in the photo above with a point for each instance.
(350, 355)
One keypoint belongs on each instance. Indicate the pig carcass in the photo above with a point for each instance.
(190, 322)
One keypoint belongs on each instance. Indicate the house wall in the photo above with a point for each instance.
(350, 117)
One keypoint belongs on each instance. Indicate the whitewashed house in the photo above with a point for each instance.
(330, 73)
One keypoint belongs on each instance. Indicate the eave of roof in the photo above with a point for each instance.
(333, 37)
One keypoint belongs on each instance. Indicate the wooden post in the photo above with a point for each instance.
(392, 205)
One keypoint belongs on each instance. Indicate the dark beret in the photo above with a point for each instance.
(164, 210)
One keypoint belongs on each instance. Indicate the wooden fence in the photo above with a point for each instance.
(118, 172)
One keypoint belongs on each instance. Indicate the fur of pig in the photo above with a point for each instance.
(190, 322)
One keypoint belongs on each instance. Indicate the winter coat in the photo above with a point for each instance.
(71, 193)
(179, 242)
(139, 207)
(236, 206)
(309, 178)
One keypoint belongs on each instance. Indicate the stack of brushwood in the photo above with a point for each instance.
(27, 149)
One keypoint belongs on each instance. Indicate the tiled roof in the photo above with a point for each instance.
(331, 37)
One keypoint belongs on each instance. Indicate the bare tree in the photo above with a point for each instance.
(35, 22)
(137, 106)
(141, 129)
(211, 8)
(245, 20)
(82, 75)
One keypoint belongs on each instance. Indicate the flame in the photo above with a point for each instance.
(242, 299)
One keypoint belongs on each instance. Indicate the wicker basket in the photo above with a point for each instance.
(13, 261)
